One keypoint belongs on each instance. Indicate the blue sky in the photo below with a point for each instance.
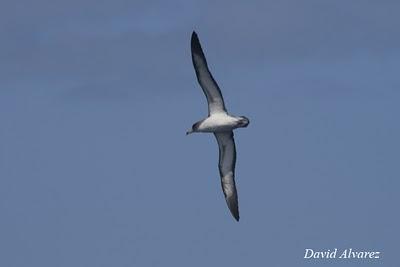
(96, 97)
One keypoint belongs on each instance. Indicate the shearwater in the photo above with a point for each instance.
(220, 123)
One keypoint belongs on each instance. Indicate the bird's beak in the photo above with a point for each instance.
(189, 132)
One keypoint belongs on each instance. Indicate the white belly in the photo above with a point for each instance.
(218, 123)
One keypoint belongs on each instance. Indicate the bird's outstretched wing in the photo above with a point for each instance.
(227, 161)
(206, 80)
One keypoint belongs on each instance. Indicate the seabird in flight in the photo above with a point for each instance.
(220, 123)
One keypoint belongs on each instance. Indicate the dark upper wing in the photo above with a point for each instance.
(206, 80)
(227, 161)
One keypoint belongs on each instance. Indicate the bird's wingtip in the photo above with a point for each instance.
(195, 38)
(195, 44)
(234, 209)
(236, 215)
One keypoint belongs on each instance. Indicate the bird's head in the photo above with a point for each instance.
(194, 128)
